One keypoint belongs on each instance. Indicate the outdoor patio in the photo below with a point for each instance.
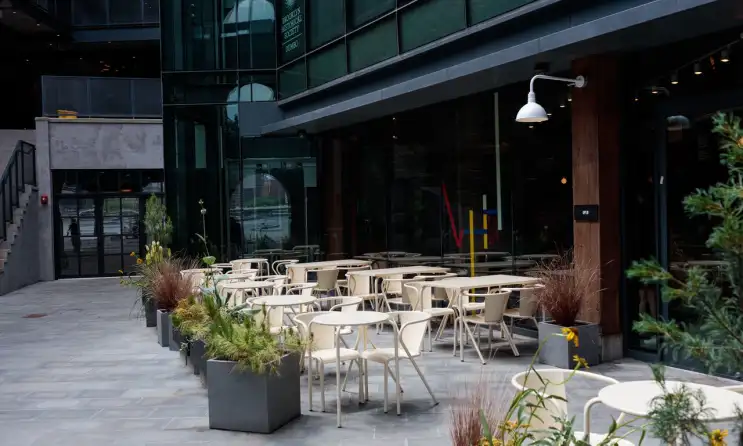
(78, 368)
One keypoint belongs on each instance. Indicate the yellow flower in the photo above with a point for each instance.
(717, 437)
(132, 254)
(139, 261)
(580, 361)
(572, 335)
(121, 272)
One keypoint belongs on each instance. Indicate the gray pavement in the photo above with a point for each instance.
(78, 368)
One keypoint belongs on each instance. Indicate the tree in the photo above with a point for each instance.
(716, 338)
(156, 221)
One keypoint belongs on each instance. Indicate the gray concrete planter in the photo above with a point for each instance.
(174, 337)
(246, 402)
(149, 310)
(558, 352)
(163, 328)
(196, 353)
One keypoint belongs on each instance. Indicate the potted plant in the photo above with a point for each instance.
(168, 288)
(570, 286)
(253, 378)
(192, 321)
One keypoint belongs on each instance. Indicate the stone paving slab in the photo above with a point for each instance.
(90, 373)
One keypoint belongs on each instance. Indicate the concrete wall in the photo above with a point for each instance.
(88, 144)
(20, 266)
(8, 140)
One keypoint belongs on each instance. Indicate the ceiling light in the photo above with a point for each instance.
(697, 68)
(674, 78)
(570, 97)
(653, 90)
(532, 111)
(563, 180)
(725, 56)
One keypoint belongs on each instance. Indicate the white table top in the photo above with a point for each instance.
(635, 397)
(284, 300)
(482, 281)
(246, 285)
(255, 260)
(345, 262)
(350, 318)
(400, 270)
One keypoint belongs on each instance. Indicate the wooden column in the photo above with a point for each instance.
(595, 125)
(334, 200)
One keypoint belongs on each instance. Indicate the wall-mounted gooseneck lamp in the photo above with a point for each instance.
(533, 112)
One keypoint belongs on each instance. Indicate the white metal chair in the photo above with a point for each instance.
(241, 264)
(278, 265)
(421, 300)
(321, 339)
(410, 341)
(274, 316)
(551, 383)
(326, 280)
(494, 306)
(342, 284)
(528, 304)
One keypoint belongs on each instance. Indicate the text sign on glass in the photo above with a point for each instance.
(586, 212)
(292, 37)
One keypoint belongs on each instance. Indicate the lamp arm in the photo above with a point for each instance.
(578, 82)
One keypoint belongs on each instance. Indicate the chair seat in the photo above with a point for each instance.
(386, 354)
(435, 312)
(327, 356)
(596, 439)
(514, 312)
(478, 319)
(473, 306)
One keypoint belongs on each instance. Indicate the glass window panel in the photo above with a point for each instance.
(112, 264)
(130, 215)
(152, 181)
(89, 12)
(200, 88)
(292, 31)
(372, 45)
(151, 11)
(128, 11)
(88, 260)
(252, 23)
(327, 65)
(481, 10)
(109, 181)
(258, 88)
(363, 11)
(429, 21)
(234, 31)
(292, 79)
(326, 21)
(199, 32)
(110, 97)
(87, 181)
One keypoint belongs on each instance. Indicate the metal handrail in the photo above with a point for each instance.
(19, 172)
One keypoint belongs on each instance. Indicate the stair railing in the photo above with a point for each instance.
(19, 172)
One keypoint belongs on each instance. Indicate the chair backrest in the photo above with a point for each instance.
(196, 278)
(275, 316)
(303, 289)
(412, 331)
(239, 265)
(441, 293)
(392, 284)
(552, 407)
(419, 295)
(327, 278)
(495, 306)
(248, 274)
(528, 299)
(347, 304)
(322, 336)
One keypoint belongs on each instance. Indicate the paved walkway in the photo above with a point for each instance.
(78, 368)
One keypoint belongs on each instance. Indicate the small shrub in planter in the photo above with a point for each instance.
(568, 287)
(169, 287)
(149, 310)
(192, 322)
(253, 378)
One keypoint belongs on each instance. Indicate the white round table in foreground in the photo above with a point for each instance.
(635, 398)
(353, 318)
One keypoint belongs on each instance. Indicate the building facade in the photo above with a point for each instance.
(361, 126)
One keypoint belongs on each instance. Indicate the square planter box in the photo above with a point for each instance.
(163, 328)
(558, 352)
(196, 352)
(246, 402)
(149, 310)
(174, 337)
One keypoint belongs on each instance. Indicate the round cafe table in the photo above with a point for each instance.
(247, 285)
(636, 397)
(284, 300)
(362, 319)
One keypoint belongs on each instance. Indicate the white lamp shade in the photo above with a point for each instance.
(531, 112)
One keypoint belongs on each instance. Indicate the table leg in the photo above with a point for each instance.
(397, 367)
(338, 371)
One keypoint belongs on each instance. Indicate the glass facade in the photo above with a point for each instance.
(219, 62)
(321, 40)
(409, 181)
(98, 218)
